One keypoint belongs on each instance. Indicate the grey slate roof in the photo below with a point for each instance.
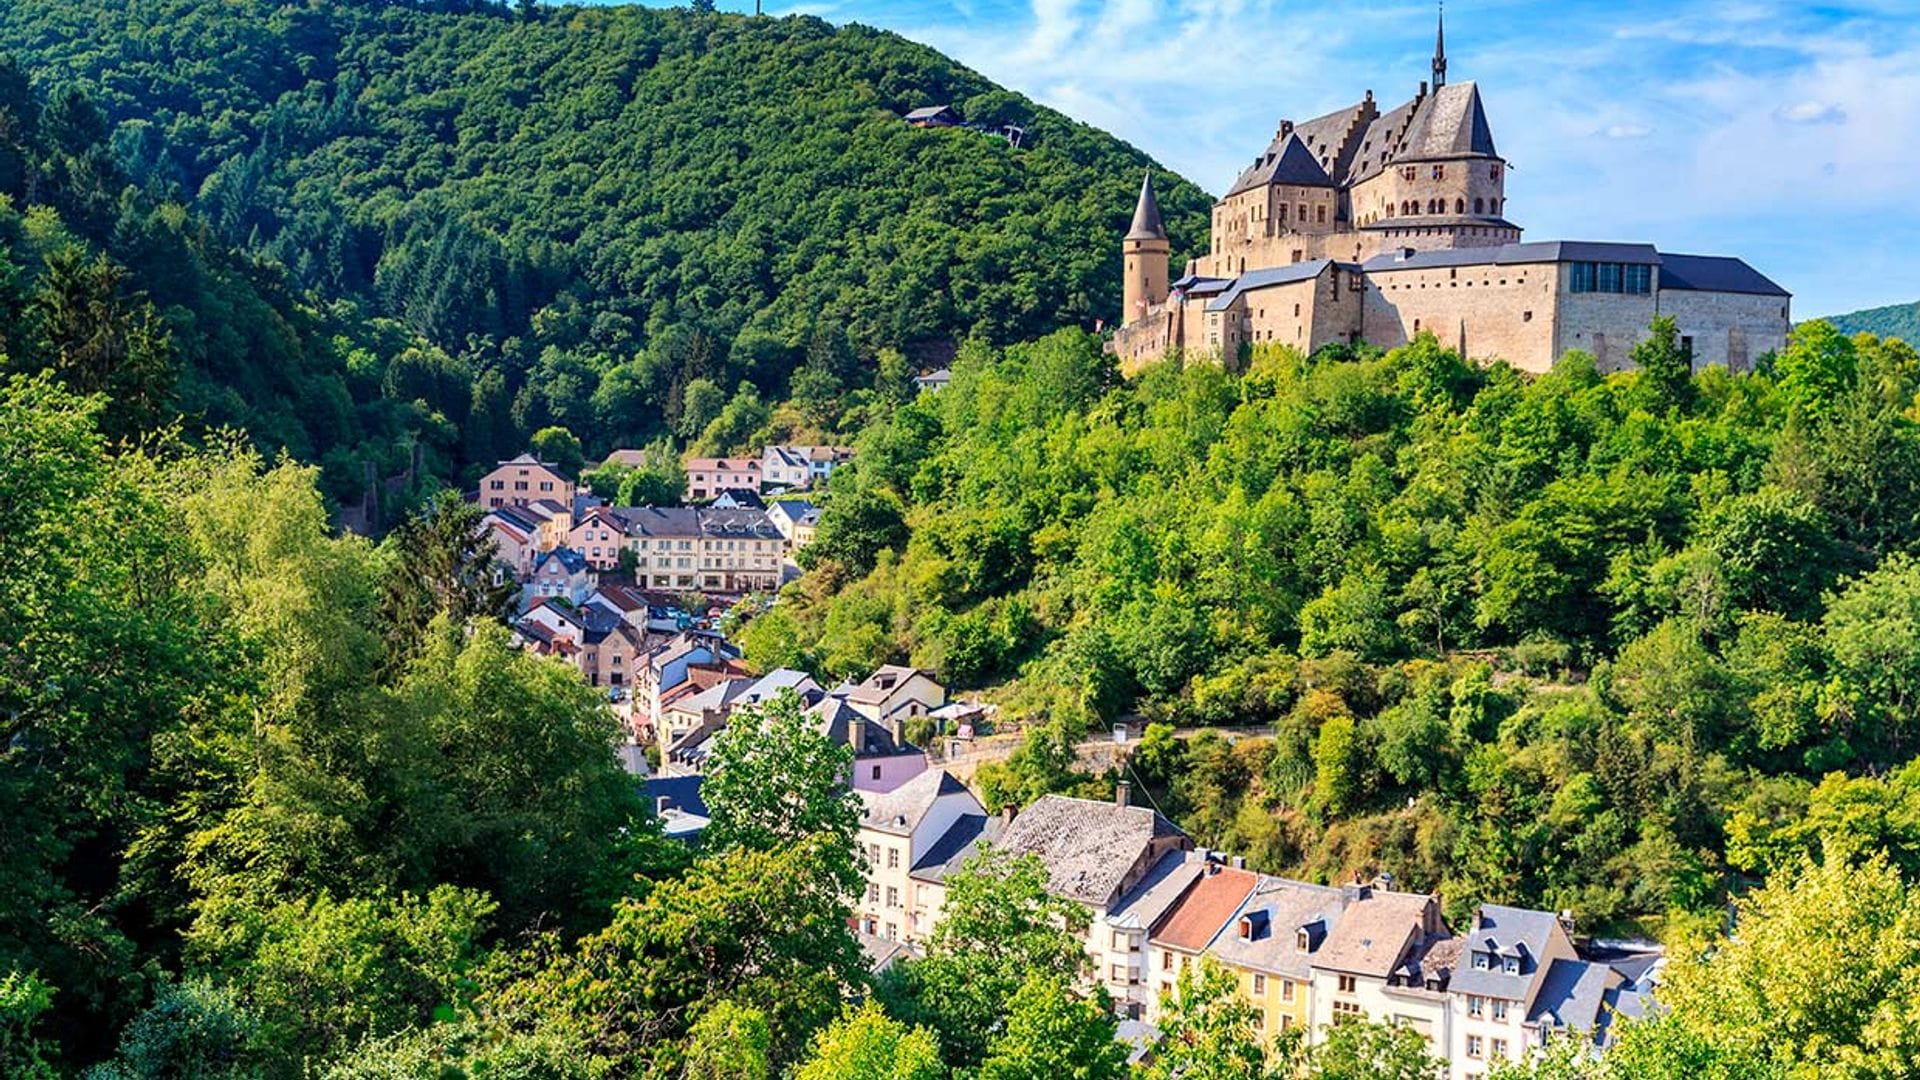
(1506, 932)
(900, 810)
(1088, 847)
(1159, 890)
(1270, 276)
(1274, 914)
(673, 521)
(1195, 285)
(570, 560)
(1714, 273)
(1572, 995)
(1451, 122)
(835, 719)
(966, 836)
(1540, 251)
(1287, 161)
(1146, 214)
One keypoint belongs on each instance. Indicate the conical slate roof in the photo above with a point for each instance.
(1452, 122)
(1146, 214)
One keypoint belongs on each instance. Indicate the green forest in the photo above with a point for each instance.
(374, 225)
(286, 802)
(1894, 320)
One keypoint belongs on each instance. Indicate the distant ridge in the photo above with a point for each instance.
(1894, 320)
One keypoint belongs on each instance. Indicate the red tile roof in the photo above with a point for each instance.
(1213, 899)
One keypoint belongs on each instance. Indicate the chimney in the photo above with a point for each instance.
(1239, 862)
(898, 728)
(1007, 811)
(1123, 793)
(857, 734)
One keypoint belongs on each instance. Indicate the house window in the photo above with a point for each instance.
(1119, 940)
(876, 772)
(1302, 941)
(893, 896)
(893, 932)
(893, 858)
(1344, 1011)
(1259, 983)
(1260, 1021)
(1499, 1009)
(1499, 1048)
(1347, 984)
(1512, 966)
(873, 893)
(1166, 961)
(1286, 989)
(1479, 959)
(1476, 1005)
(1475, 1046)
(1439, 172)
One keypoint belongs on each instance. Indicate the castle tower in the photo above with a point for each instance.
(1145, 249)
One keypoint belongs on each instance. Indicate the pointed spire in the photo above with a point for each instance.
(1440, 49)
(1146, 214)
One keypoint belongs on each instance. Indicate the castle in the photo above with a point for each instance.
(1363, 225)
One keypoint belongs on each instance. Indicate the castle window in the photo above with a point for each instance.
(1439, 172)
(1459, 206)
(1478, 204)
(1494, 170)
(1321, 217)
(1526, 316)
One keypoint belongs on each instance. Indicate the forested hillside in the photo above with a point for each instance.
(616, 219)
(1621, 644)
(1894, 320)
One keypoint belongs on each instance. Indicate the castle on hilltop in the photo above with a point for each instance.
(1364, 225)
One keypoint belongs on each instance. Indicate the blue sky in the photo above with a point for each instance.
(1785, 133)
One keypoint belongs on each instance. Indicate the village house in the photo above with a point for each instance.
(1507, 958)
(933, 116)
(895, 691)
(800, 467)
(929, 381)
(883, 758)
(1387, 960)
(675, 666)
(688, 724)
(563, 573)
(599, 535)
(708, 476)
(919, 827)
(516, 545)
(523, 480)
(1183, 933)
(796, 520)
(707, 549)
(1269, 945)
(1095, 854)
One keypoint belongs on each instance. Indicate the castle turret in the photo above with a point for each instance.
(1145, 249)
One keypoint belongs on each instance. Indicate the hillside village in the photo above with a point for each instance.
(603, 589)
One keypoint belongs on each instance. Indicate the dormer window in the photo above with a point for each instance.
(1479, 961)
(1303, 940)
(1246, 928)
(1511, 966)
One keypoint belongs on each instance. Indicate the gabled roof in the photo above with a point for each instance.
(836, 720)
(1200, 913)
(1507, 933)
(656, 521)
(1375, 932)
(750, 524)
(885, 679)
(1162, 886)
(1088, 847)
(928, 112)
(1267, 277)
(965, 837)
(1572, 995)
(1287, 161)
(1276, 911)
(901, 810)
(570, 560)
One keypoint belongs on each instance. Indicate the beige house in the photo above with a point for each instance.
(1387, 960)
(599, 535)
(711, 550)
(523, 480)
(1378, 226)
(911, 837)
(709, 476)
(1504, 967)
(894, 692)
(800, 467)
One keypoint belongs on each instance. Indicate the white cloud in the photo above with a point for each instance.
(1626, 131)
(1811, 112)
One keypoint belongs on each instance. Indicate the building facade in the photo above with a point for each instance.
(523, 480)
(1379, 226)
